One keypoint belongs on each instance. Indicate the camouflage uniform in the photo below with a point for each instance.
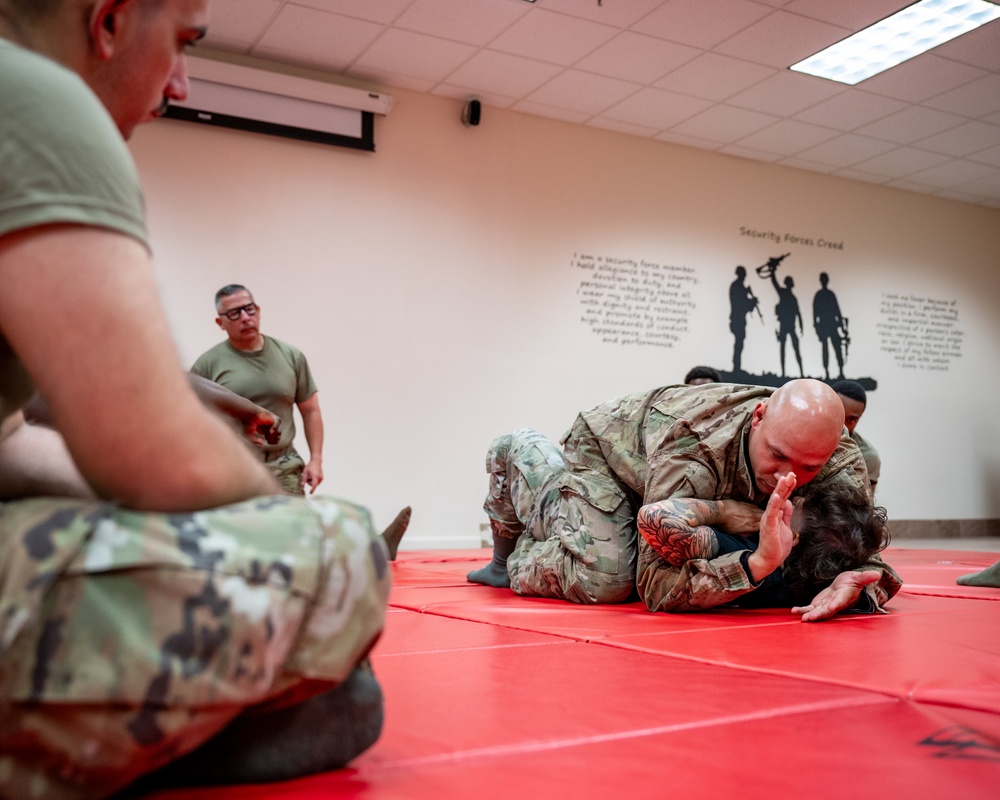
(872, 460)
(128, 639)
(287, 467)
(575, 510)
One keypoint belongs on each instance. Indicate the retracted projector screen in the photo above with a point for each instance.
(211, 103)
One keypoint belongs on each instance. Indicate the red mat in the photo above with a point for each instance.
(489, 695)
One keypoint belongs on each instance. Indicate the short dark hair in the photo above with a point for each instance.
(228, 289)
(702, 372)
(841, 530)
(851, 389)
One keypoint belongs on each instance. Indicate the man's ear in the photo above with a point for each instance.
(104, 24)
(758, 414)
(218, 321)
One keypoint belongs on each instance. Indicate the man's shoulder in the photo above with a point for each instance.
(210, 357)
(709, 400)
(289, 351)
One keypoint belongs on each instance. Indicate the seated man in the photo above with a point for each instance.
(564, 521)
(804, 546)
(157, 590)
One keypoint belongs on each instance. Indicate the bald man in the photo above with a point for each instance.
(564, 520)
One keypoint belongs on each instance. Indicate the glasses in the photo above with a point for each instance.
(235, 313)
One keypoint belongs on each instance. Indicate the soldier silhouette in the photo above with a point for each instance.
(829, 324)
(787, 311)
(741, 303)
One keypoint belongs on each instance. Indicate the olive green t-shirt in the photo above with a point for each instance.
(275, 377)
(62, 160)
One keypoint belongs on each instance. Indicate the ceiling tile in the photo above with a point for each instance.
(748, 152)
(472, 21)
(239, 20)
(724, 123)
(785, 93)
(948, 175)
(634, 57)
(978, 48)
(911, 124)
(579, 91)
(699, 23)
(851, 14)
(555, 38)
(422, 57)
(488, 99)
(714, 77)
(968, 138)
(901, 162)
(657, 109)
(850, 109)
(387, 78)
(306, 36)
(975, 99)
(621, 127)
(846, 150)
(618, 14)
(688, 141)
(787, 137)
(489, 71)
(804, 163)
(384, 11)
(860, 175)
(781, 39)
(991, 156)
(987, 185)
(920, 78)
(550, 112)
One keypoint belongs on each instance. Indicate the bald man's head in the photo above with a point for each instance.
(795, 430)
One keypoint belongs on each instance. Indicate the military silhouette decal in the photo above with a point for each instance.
(830, 325)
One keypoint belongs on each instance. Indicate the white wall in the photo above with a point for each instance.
(430, 284)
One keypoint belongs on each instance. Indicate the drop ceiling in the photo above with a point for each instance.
(710, 74)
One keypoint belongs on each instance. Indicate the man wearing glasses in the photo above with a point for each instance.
(273, 375)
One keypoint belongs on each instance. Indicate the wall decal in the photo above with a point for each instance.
(920, 333)
(626, 301)
(831, 327)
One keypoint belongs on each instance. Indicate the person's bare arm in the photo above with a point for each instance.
(258, 424)
(81, 311)
(34, 462)
(312, 426)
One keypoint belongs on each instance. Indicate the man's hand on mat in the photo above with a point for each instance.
(838, 596)
(776, 537)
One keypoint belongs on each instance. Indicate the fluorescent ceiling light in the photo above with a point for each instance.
(907, 33)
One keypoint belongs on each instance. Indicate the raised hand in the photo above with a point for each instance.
(776, 536)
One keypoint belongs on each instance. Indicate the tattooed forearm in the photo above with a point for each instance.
(678, 529)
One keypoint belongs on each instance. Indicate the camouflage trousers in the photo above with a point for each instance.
(575, 527)
(128, 639)
(287, 468)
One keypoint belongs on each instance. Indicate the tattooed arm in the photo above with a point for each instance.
(678, 529)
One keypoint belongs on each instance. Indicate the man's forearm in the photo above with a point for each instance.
(677, 529)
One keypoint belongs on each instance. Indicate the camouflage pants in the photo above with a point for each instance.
(576, 528)
(128, 639)
(287, 469)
